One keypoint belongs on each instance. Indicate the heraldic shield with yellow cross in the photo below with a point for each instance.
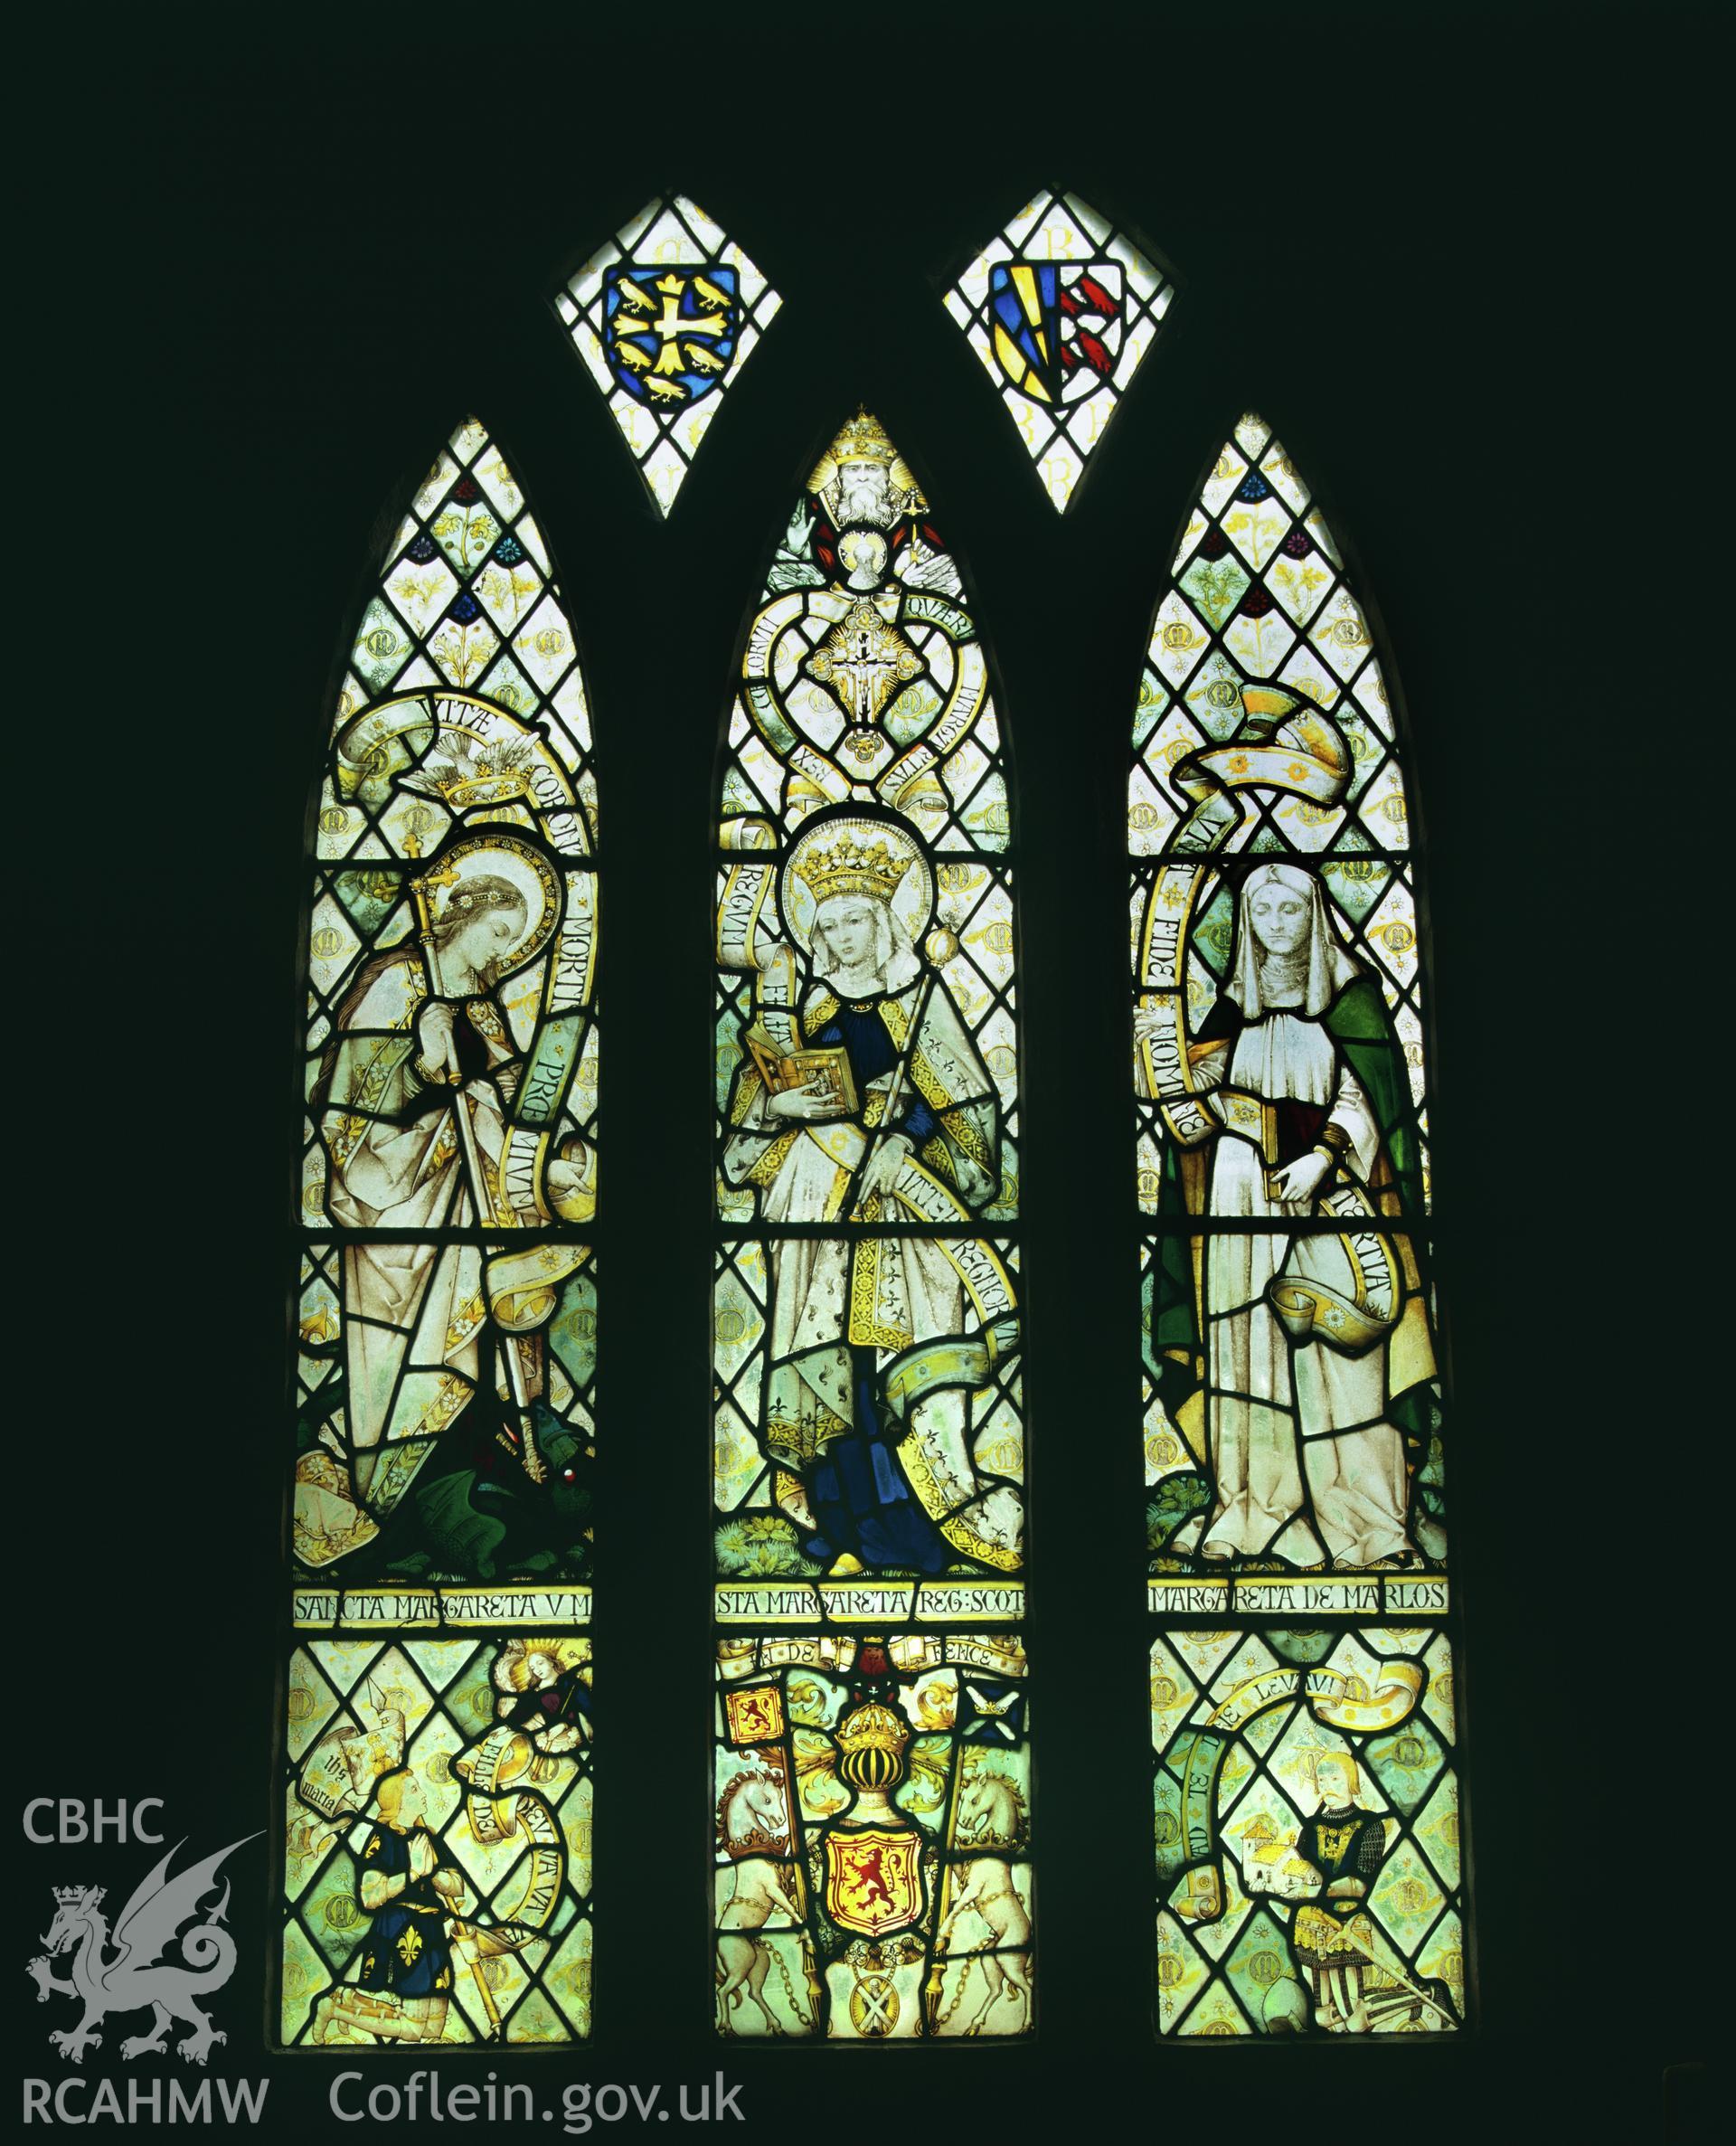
(670, 332)
(663, 315)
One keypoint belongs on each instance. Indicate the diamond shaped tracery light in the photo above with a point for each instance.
(664, 315)
(1061, 308)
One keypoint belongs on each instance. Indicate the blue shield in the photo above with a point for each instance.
(670, 333)
(1054, 325)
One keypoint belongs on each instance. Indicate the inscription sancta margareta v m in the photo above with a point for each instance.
(435, 1751)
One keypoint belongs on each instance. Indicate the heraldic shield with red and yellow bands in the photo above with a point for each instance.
(872, 1806)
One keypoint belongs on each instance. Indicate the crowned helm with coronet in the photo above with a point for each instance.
(870, 1745)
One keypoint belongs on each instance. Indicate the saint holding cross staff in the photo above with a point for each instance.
(438, 1119)
(491, 915)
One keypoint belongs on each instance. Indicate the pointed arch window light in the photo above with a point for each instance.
(873, 1876)
(436, 1740)
(1061, 308)
(664, 315)
(1306, 1784)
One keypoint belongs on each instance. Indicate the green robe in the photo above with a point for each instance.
(1359, 1025)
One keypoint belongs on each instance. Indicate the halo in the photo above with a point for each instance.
(912, 903)
(520, 863)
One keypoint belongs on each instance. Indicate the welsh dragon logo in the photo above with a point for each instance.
(136, 1976)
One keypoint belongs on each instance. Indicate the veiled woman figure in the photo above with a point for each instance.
(869, 1423)
(1304, 1438)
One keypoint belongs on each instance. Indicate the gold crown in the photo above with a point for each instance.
(863, 440)
(851, 866)
(872, 1727)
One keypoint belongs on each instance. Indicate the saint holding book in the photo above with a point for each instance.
(863, 1102)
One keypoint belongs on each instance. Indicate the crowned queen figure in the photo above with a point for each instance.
(863, 1102)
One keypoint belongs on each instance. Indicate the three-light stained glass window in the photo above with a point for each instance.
(437, 1732)
(1305, 1798)
(872, 1811)
(872, 1866)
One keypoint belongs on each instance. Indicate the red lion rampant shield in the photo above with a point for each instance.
(874, 1879)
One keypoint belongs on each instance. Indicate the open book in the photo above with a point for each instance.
(827, 1069)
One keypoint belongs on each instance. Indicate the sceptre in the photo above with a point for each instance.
(896, 1089)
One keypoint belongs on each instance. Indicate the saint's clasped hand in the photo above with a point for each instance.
(437, 1053)
(378, 1889)
(423, 1863)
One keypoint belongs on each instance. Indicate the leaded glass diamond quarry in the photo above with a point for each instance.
(1061, 308)
(665, 314)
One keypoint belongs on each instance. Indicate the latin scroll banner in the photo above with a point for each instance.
(764, 703)
(573, 968)
(747, 939)
(532, 1140)
(1189, 1852)
(934, 1365)
(969, 686)
(478, 760)
(519, 1197)
(1344, 1289)
(523, 1287)
(1341, 1701)
(498, 1811)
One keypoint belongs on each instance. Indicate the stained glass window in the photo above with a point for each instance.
(664, 315)
(874, 1785)
(437, 1787)
(1306, 1783)
(1061, 308)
